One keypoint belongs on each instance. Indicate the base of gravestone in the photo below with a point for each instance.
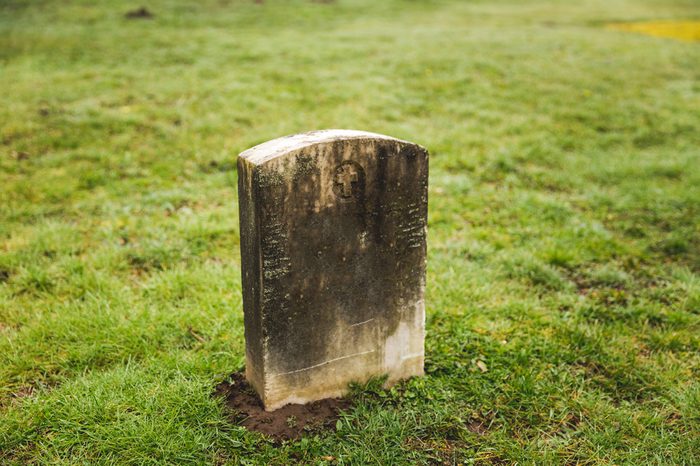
(289, 422)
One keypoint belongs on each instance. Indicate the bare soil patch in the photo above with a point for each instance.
(139, 13)
(287, 423)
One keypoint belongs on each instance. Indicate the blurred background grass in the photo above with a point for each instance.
(564, 245)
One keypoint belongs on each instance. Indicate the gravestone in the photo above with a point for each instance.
(333, 246)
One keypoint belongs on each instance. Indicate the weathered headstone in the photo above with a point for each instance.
(333, 246)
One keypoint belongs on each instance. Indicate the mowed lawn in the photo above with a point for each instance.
(564, 228)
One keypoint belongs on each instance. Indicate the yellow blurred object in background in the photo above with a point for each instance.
(682, 30)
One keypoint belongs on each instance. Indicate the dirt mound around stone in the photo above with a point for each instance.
(286, 423)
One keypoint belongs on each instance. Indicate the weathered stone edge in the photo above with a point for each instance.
(251, 260)
(269, 150)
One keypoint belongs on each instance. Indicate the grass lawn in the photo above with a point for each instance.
(564, 233)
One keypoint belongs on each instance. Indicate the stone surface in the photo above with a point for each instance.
(333, 246)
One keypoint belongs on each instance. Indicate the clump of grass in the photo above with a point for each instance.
(535, 272)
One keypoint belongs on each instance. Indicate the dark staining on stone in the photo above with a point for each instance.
(409, 151)
(275, 261)
(305, 165)
(382, 152)
(305, 179)
(268, 179)
(358, 275)
(248, 189)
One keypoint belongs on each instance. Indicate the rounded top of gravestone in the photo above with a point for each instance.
(272, 149)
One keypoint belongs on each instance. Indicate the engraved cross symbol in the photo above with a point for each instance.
(346, 176)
